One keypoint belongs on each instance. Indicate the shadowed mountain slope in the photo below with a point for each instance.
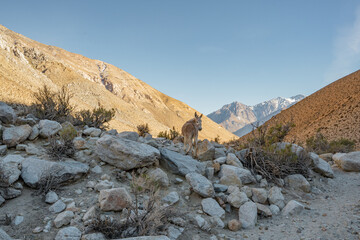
(333, 110)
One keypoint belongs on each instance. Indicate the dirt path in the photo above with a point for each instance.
(334, 213)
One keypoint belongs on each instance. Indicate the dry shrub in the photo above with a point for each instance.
(320, 144)
(49, 181)
(273, 163)
(217, 139)
(53, 105)
(172, 134)
(60, 148)
(267, 159)
(142, 129)
(98, 117)
(146, 218)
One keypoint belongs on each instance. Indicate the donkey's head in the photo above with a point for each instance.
(198, 121)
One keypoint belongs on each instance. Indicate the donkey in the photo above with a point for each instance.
(190, 132)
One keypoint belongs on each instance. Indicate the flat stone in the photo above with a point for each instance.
(293, 207)
(263, 210)
(57, 207)
(63, 219)
(200, 184)
(180, 164)
(211, 207)
(68, 233)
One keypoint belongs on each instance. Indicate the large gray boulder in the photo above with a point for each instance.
(48, 128)
(133, 136)
(7, 114)
(321, 166)
(244, 174)
(14, 135)
(125, 154)
(180, 164)
(35, 170)
(200, 184)
(348, 161)
(205, 151)
(248, 215)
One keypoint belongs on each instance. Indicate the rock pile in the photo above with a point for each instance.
(210, 190)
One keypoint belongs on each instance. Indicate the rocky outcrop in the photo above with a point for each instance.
(348, 162)
(180, 164)
(125, 154)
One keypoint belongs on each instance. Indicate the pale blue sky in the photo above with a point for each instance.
(202, 52)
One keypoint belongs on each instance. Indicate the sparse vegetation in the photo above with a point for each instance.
(172, 134)
(217, 139)
(266, 158)
(146, 218)
(320, 144)
(61, 147)
(53, 105)
(49, 181)
(98, 117)
(143, 129)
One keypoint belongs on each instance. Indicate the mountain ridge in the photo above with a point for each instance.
(26, 65)
(238, 117)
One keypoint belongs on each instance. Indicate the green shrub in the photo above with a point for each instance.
(52, 105)
(143, 129)
(172, 134)
(68, 132)
(97, 117)
(342, 145)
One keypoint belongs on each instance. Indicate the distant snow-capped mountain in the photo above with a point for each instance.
(237, 117)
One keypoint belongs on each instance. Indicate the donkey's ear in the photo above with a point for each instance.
(201, 116)
(196, 115)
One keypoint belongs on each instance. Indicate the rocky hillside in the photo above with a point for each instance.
(333, 110)
(237, 117)
(26, 65)
(94, 193)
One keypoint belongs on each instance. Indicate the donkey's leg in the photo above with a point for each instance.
(187, 146)
(196, 145)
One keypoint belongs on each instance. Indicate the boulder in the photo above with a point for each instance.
(68, 233)
(231, 159)
(205, 151)
(200, 184)
(219, 152)
(133, 136)
(7, 114)
(180, 164)
(299, 151)
(298, 182)
(259, 195)
(57, 207)
(48, 128)
(237, 198)
(292, 207)
(248, 215)
(211, 207)
(34, 171)
(349, 161)
(9, 173)
(14, 135)
(159, 176)
(171, 198)
(276, 197)
(125, 154)
(115, 199)
(92, 132)
(321, 166)
(263, 210)
(244, 174)
(35, 131)
(63, 218)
